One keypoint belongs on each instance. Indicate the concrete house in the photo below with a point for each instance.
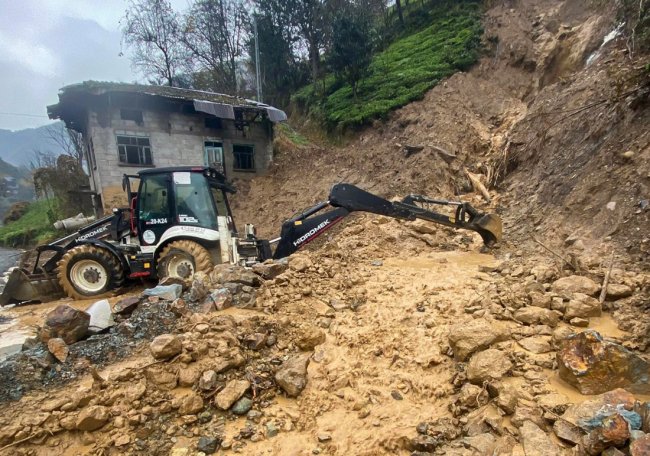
(130, 127)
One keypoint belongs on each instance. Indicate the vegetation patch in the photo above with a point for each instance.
(404, 71)
(34, 227)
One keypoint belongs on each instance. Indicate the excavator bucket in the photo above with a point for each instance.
(22, 287)
(490, 227)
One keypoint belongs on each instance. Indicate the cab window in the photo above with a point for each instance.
(193, 201)
(154, 200)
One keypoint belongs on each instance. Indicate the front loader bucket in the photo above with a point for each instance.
(22, 287)
(490, 227)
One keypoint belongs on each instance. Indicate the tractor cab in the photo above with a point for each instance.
(173, 201)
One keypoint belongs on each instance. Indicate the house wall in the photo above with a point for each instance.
(176, 140)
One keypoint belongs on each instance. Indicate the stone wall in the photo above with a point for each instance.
(176, 140)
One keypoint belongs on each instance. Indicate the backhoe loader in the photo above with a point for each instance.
(180, 222)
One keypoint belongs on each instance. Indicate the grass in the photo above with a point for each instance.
(447, 40)
(292, 135)
(35, 227)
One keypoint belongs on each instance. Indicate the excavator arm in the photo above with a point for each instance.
(346, 198)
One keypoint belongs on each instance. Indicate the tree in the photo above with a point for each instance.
(151, 29)
(311, 20)
(398, 6)
(216, 33)
(351, 49)
(70, 141)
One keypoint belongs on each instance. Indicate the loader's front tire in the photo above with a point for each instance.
(88, 272)
(181, 259)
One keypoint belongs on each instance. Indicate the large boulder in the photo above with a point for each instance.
(66, 323)
(165, 346)
(537, 316)
(582, 306)
(594, 366)
(470, 337)
(234, 390)
(292, 376)
(490, 364)
(566, 286)
(227, 273)
(270, 269)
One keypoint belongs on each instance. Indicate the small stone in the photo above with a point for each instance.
(640, 446)
(101, 316)
(537, 316)
(271, 429)
(582, 306)
(200, 286)
(126, 306)
(309, 338)
(536, 344)
(575, 284)
(270, 269)
(208, 445)
(166, 292)
(233, 390)
(208, 380)
(472, 396)
(475, 335)
(242, 406)
(188, 376)
(205, 417)
(299, 263)
(579, 322)
(618, 291)
(337, 304)
(536, 442)
(190, 404)
(324, 438)
(396, 395)
(292, 376)
(165, 346)
(92, 418)
(538, 299)
(122, 440)
(555, 402)
(487, 365)
(58, 348)
(422, 428)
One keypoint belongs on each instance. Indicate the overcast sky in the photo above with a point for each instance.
(46, 44)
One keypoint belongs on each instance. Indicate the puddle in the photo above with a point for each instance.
(606, 326)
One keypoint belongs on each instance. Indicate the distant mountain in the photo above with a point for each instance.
(17, 147)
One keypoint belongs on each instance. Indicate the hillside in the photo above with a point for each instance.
(17, 147)
(387, 337)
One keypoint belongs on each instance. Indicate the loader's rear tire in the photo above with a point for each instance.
(181, 259)
(87, 272)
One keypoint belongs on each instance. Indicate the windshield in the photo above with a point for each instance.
(194, 204)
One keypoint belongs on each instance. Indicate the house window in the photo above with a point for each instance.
(131, 114)
(214, 155)
(134, 150)
(244, 157)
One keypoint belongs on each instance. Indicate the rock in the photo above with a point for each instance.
(270, 269)
(640, 446)
(555, 402)
(190, 404)
(292, 376)
(166, 346)
(58, 348)
(208, 445)
(538, 299)
(126, 306)
(220, 299)
(166, 292)
(524, 413)
(490, 364)
(309, 338)
(271, 430)
(560, 334)
(200, 286)
(242, 406)
(472, 396)
(225, 274)
(255, 341)
(595, 366)
(558, 304)
(582, 306)
(467, 338)
(575, 284)
(568, 428)
(536, 344)
(618, 291)
(483, 443)
(507, 399)
(324, 438)
(67, 323)
(208, 381)
(614, 431)
(611, 451)
(536, 442)
(188, 376)
(299, 263)
(101, 316)
(337, 304)
(122, 440)
(537, 316)
(233, 390)
(92, 418)
(579, 322)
